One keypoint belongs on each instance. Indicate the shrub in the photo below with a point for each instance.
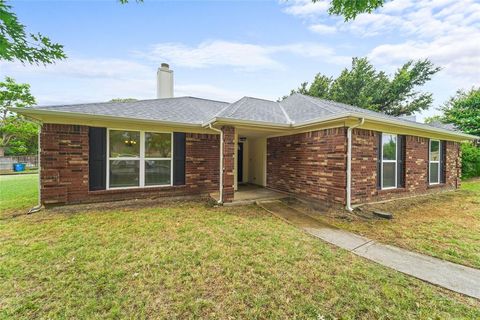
(470, 160)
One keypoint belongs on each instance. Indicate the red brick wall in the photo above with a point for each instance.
(64, 168)
(310, 165)
(64, 163)
(228, 163)
(364, 171)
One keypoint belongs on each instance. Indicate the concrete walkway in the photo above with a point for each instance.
(449, 275)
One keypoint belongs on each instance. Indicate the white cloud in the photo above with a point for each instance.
(208, 91)
(306, 8)
(82, 80)
(212, 53)
(458, 58)
(396, 6)
(445, 31)
(244, 56)
(83, 68)
(322, 28)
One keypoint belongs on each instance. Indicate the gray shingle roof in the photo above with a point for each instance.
(303, 108)
(183, 109)
(255, 109)
(295, 109)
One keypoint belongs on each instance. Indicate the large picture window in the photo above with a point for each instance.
(434, 162)
(389, 161)
(138, 159)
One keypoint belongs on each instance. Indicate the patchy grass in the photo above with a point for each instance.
(188, 260)
(445, 225)
(191, 261)
(18, 192)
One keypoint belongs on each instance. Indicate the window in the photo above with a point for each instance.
(434, 162)
(138, 159)
(388, 161)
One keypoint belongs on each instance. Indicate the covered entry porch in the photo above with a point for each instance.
(243, 172)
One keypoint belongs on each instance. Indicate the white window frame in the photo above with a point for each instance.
(430, 161)
(141, 158)
(389, 161)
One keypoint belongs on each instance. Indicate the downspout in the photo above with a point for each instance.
(38, 207)
(220, 182)
(349, 164)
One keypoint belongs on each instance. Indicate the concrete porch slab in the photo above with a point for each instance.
(250, 194)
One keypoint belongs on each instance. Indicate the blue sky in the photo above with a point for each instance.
(228, 49)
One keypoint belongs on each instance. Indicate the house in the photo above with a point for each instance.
(304, 146)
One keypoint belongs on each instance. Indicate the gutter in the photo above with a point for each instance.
(253, 123)
(348, 205)
(38, 207)
(220, 182)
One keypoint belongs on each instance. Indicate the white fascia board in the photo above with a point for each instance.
(246, 122)
(419, 126)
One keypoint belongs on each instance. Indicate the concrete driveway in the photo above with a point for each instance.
(445, 274)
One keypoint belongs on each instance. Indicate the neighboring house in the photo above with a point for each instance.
(308, 147)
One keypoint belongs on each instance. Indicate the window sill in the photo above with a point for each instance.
(393, 190)
(135, 189)
(434, 186)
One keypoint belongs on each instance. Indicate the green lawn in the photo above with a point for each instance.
(18, 192)
(188, 260)
(446, 226)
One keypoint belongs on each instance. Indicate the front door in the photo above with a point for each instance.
(240, 163)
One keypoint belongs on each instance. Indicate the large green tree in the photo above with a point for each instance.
(17, 136)
(463, 111)
(365, 87)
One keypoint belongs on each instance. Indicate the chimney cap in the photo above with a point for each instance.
(165, 65)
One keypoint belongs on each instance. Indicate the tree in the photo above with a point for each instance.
(16, 44)
(122, 100)
(433, 119)
(463, 110)
(350, 9)
(365, 87)
(13, 128)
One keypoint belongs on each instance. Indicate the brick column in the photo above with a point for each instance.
(228, 163)
(64, 161)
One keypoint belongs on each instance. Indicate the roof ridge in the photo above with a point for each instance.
(223, 109)
(239, 103)
(249, 97)
(289, 120)
(134, 101)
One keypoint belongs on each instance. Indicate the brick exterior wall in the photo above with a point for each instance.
(64, 163)
(364, 170)
(64, 168)
(309, 165)
(228, 163)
